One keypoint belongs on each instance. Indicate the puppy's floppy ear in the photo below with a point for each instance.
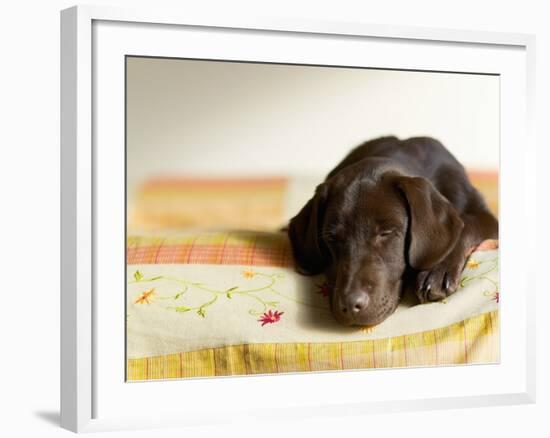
(434, 224)
(304, 230)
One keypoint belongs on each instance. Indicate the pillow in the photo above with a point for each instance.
(220, 303)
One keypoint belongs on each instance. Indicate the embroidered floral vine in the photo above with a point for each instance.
(485, 267)
(263, 307)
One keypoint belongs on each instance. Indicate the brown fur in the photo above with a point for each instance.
(394, 214)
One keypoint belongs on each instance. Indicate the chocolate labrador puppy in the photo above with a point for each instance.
(394, 214)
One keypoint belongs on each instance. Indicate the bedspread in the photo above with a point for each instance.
(229, 302)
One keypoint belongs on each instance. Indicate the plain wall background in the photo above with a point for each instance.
(29, 181)
(205, 117)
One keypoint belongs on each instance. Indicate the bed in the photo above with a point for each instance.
(212, 290)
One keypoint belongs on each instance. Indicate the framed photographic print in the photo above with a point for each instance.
(291, 218)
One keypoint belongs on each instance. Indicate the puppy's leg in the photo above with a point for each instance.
(444, 279)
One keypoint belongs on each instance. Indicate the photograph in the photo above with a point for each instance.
(296, 218)
(292, 217)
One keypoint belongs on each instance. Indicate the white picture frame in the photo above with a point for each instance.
(91, 391)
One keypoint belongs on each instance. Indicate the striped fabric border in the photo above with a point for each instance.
(475, 340)
(222, 248)
(250, 248)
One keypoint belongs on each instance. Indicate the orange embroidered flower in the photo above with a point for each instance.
(145, 297)
(249, 273)
(472, 264)
(367, 329)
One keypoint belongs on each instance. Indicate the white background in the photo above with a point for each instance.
(206, 117)
(29, 90)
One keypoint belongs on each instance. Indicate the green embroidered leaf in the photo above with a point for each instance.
(182, 309)
(156, 278)
(138, 276)
(272, 303)
(201, 312)
(228, 293)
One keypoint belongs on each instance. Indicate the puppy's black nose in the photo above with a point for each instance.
(355, 302)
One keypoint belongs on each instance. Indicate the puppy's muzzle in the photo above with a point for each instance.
(351, 306)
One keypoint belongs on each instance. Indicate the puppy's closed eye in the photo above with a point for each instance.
(331, 235)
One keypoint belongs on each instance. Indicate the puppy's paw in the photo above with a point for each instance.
(439, 282)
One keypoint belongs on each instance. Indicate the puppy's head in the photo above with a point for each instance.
(363, 229)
